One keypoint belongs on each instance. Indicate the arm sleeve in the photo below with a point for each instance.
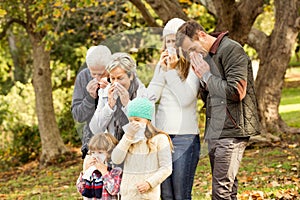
(235, 66)
(164, 160)
(83, 105)
(80, 183)
(101, 118)
(120, 151)
(103, 114)
(157, 83)
(185, 91)
(112, 181)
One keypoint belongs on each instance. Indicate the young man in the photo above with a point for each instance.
(85, 95)
(227, 88)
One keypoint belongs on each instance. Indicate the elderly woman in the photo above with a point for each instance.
(111, 111)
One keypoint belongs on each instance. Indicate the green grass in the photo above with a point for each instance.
(289, 108)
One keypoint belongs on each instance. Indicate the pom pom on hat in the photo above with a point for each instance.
(172, 26)
(140, 107)
(98, 56)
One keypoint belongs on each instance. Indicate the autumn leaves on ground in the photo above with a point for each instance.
(271, 173)
(266, 173)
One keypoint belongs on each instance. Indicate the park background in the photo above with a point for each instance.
(43, 46)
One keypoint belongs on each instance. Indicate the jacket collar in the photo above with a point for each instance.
(219, 36)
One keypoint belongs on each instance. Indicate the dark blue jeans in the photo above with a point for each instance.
(178, 186)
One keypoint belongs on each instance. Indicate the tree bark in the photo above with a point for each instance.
(237, 17)
(274, 52)
(19, 64)
(52, 143)
(167, 9)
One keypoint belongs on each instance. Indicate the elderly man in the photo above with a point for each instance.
(85, 96)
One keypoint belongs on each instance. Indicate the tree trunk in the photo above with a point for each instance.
(274, 52)
(19, 64)
(52, 143)
(237, 17)
(167, 9)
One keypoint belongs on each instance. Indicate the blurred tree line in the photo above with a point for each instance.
(43, 46)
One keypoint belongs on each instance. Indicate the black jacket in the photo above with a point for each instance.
(229, 96)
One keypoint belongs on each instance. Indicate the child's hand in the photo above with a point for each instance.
(143, 187)
(89, 161)
(132, 129)
(101, 167)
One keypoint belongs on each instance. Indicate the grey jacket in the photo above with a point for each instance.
(229, 96)
(83, 105)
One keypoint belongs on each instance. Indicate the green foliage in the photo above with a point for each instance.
(200, 14)
(25, 146)
(266, 21)
(66, 126)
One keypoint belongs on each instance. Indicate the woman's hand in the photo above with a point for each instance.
(123, 94)
(163, 60)
(172, 61)
(111, 96)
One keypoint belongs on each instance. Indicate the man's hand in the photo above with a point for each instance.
(199, 65)
(92, 87)
(103, 82)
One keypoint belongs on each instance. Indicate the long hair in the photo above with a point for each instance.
(150, 132)
(183, 66)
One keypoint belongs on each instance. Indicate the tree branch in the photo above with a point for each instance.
(145, 13)
(256, 39)
(8, 24)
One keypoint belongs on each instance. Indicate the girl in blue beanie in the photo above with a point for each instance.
(146, 153)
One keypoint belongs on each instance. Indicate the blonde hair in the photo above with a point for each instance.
(103, 142)
(183, 66)
(122, 60)
(150, 132)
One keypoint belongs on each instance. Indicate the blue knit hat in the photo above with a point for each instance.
(140, 107)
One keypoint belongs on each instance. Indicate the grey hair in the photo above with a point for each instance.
(98, 56)
(122, 60)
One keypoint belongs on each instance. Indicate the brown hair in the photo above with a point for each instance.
(188, 29)
(103, 141)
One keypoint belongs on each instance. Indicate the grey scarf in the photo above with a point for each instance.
(120, 118)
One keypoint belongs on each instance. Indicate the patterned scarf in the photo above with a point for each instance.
(119, 116)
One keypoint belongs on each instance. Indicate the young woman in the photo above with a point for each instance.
(176, 87)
